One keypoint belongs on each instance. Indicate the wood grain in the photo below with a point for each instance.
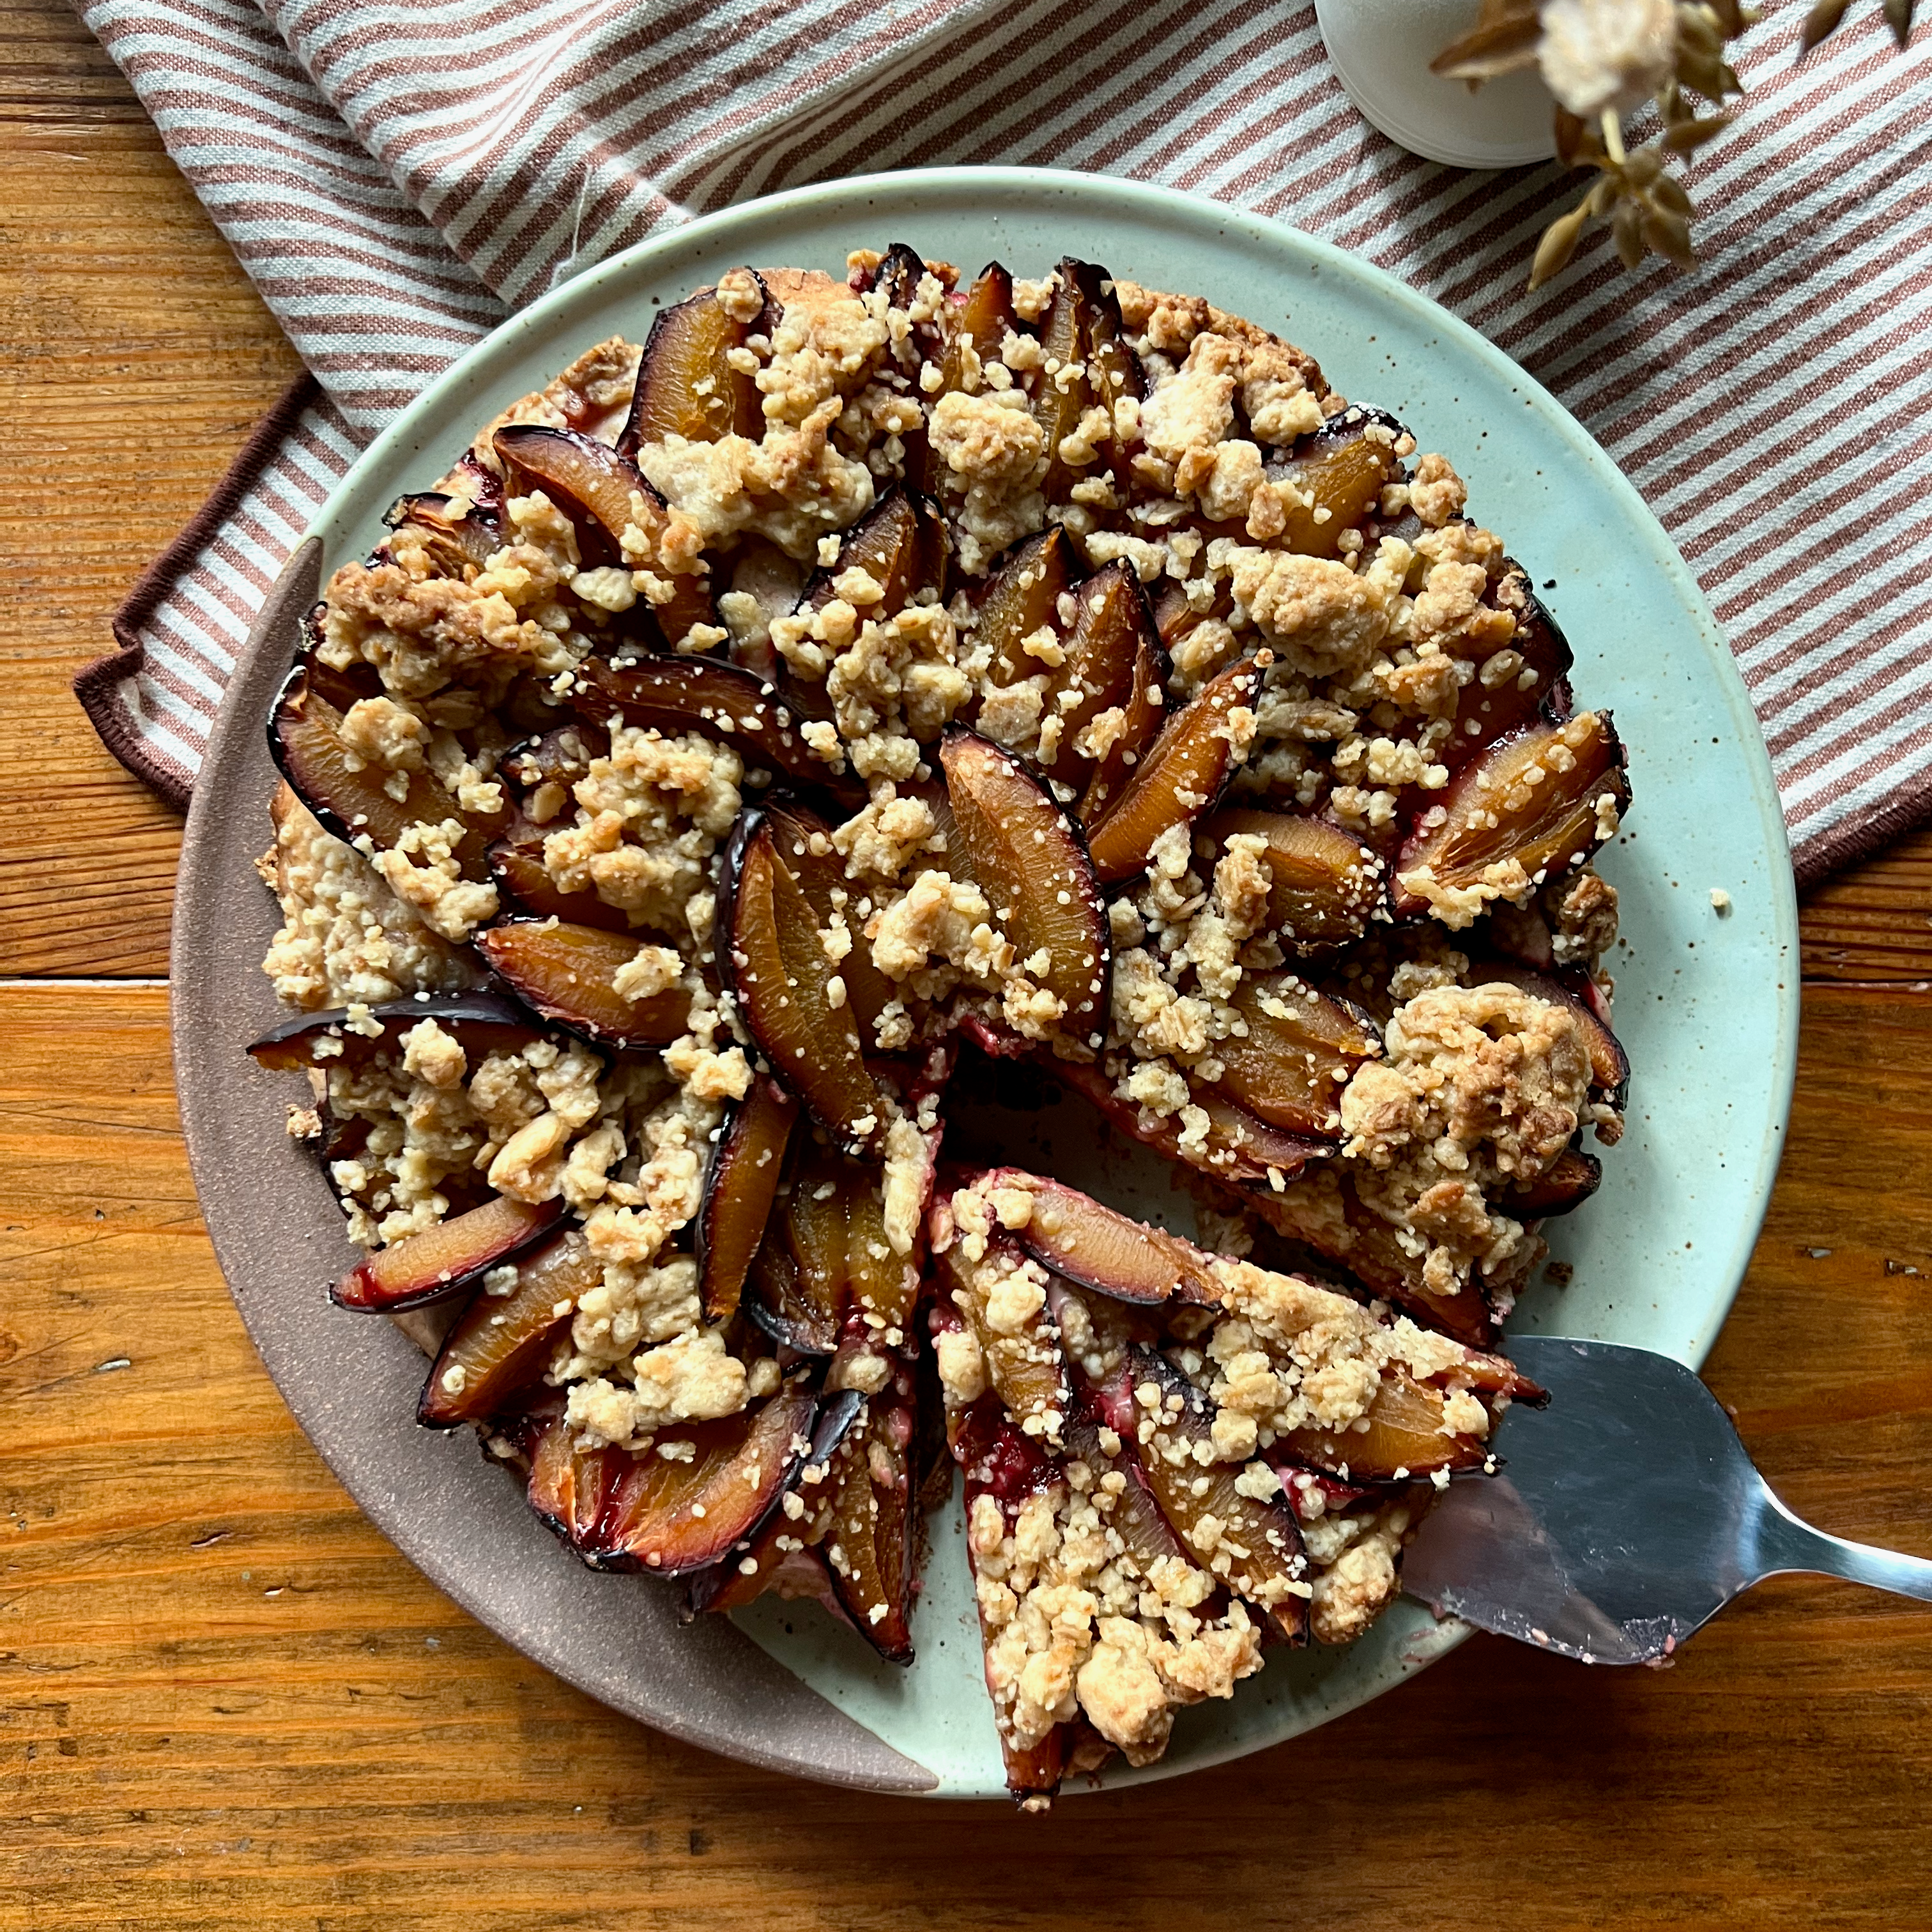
(1874, 922)
(225, 1701)
(135, 357)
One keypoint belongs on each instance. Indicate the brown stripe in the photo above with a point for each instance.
(511, 198)
(778, 148)
(97, 686)
(1720, 418)
(1745, 640)
(448, 201)
(158, 673)
(1609, 314)
(1772, 486)
(1904, 672)
(1880, 231)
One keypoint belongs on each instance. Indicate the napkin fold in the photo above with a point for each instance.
(398, 175)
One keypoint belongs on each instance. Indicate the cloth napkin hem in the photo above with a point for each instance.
(99, 685)
(1860, 834)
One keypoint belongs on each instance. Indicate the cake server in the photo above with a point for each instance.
(1624, 1517)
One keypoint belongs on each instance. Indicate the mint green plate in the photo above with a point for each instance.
(1706, 1005)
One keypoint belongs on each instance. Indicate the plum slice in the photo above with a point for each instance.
(544, 770)
(1183, 774)
(741, 1183)
(1034, 1772)
(1105, 647)
(1352, 1236)
(441, 1260)
(872, 1546)
(1255, 1548)
(567, 974)
(829, 1271)
(501, 1341)
(1022, 598)
(1325, 882)
(1113, 369)
(815, 1229)
(673, 1514)
(471, 477)
(884, 1285)
(1003, 1300)
(1081, 332)
(901, 545)
(885, 1282)
(1405, 1435)
(1300, 1050)
(980, 319)
(705, 695)
(897, 276)
(1568, 1181)
(779, 1298)
(603, 493)
(1340, 469)
(774, 583)
(1028, 858)
(1609, 1064)
(686, 384)
(1532, 807)
(804, 843)
(523, 884)
(1142, 716)
(1514, 684)
(1100, 1248)
(480, 1023)
(458, 539)
(571, 1488)
(783, 983)
(1313, 1493)
(1404, 1430)
(1058, 406)
(348, 794)
(778, 1562)
(1135, 1516)
(781, 1556)
(1239, 1147)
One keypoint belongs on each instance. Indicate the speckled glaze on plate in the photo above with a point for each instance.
(1707, 1006)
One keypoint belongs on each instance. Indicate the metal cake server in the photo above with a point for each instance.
(1626, 1515)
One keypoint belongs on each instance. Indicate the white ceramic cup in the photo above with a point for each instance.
(1381, 49)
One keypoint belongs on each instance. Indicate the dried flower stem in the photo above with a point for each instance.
(1824, 19)
(1614, 51)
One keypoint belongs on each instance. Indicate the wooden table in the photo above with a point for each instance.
(228, 1702)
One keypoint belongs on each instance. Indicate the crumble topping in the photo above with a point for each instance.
(1434, 1081)
(649, 814)
(995, 456)
(346, 937)
(1468, 1068)
(433, 1124)
(1077, 1623)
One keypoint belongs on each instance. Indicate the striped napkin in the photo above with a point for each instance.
(397, 175)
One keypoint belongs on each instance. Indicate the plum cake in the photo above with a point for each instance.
(871, 687)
